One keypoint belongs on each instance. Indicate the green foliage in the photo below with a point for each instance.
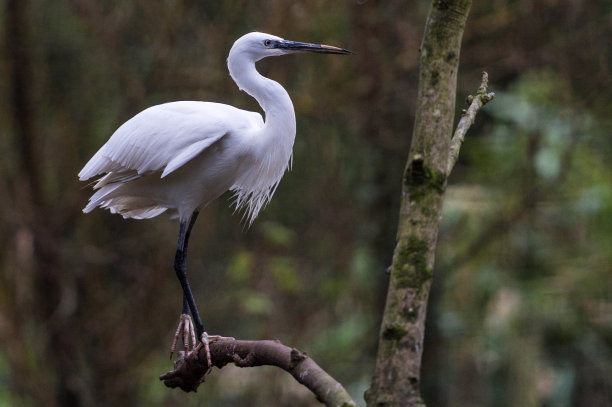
(523, 291)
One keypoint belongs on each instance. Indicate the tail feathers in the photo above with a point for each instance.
(144, 213)
(116, 178)
(128, 207)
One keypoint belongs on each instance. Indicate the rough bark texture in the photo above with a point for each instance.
(190, 371)
(397, 375)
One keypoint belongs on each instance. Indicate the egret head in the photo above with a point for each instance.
(258, 45)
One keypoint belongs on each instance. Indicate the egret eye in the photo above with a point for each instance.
(268, 43)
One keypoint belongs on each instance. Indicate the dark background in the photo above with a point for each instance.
(521, 308)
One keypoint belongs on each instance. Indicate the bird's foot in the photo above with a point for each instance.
(187, 331)
(205, 342)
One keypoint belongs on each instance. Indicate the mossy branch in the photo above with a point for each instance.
(467, 119)
(190, 370)
(397, 375)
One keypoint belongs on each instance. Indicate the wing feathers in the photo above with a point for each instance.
(156, 142)
(188, 153)
(166, 137)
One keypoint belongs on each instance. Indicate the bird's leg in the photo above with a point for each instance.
(189, 307)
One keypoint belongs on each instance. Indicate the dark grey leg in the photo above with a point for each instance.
(180, 266)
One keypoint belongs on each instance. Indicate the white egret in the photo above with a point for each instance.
(180, 156)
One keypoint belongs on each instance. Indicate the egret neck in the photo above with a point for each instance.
(280, 124)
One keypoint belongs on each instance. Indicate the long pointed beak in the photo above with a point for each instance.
(294, 46)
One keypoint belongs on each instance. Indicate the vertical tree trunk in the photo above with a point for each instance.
(397, 375)
(44, 282)
(20, 67)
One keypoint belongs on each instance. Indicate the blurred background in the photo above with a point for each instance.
(521, 307)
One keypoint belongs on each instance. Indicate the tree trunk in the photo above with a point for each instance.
(45, 372)
(397, 375)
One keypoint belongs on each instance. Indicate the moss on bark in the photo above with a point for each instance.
(397, 375)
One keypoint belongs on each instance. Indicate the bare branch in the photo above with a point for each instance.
(189, 371)
(467, 119)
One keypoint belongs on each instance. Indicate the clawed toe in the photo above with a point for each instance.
(205, 342)
(187, 331)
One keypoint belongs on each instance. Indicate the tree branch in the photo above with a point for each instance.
(189, 371)
(467, 119)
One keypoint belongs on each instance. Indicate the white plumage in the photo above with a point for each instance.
(180, 156)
